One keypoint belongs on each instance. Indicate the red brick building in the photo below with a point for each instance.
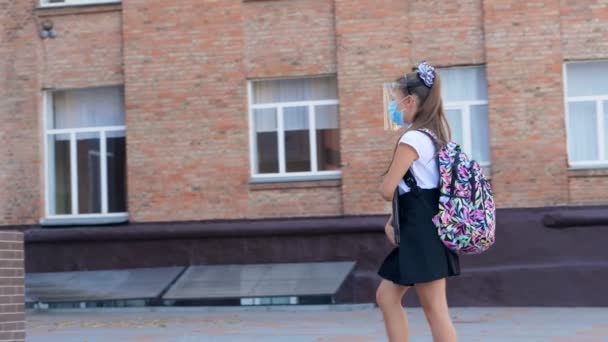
(157, 111)
(171, 82)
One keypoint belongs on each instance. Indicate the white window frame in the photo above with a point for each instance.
(283, 175)
(95, 218)
(602, 161)
(46, 3)
(465, 109)
(467, 138)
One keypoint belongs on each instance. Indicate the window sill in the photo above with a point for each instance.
(68, 9)
(588, 172)
(88, 220)
(260, 183)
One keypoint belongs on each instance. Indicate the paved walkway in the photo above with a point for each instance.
(357, 323)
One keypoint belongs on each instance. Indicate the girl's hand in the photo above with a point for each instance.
(390, 231)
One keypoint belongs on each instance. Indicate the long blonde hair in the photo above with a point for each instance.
(430, 114)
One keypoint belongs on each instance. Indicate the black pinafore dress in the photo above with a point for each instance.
(421, 256)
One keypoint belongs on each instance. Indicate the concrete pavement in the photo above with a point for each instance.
(340, 323)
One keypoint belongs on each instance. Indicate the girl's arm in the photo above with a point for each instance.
(403, 159)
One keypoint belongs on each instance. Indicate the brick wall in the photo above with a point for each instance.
(289, 38)
(185, 66)
(5, 105)
(186, 110)
(312, 199)
(20, 166)
(87, 51)
(12, 317)
(584, 29)
(587, 187)
(446, 33)
(524, 70)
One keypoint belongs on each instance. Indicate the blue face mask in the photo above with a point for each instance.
(395, 114)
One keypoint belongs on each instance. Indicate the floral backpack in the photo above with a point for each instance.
(466, 221)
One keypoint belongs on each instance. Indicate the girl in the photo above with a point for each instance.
(420, 259)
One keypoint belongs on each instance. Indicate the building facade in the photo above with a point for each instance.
(155, 111)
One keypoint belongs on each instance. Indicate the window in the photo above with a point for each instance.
(587, 113)
(464, 92)
(85, 162)
(58, 3)
(294, 129)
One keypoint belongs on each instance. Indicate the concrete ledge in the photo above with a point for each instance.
(576, 217)
(216, 229)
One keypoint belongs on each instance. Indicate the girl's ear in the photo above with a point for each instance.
(411, 99)
(415, 100)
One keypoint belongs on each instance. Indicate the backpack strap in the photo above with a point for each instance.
(410, 180)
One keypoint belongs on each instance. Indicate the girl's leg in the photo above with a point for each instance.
(434, 302)
(388, 297)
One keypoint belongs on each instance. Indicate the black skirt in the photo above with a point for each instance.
(421, 256)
